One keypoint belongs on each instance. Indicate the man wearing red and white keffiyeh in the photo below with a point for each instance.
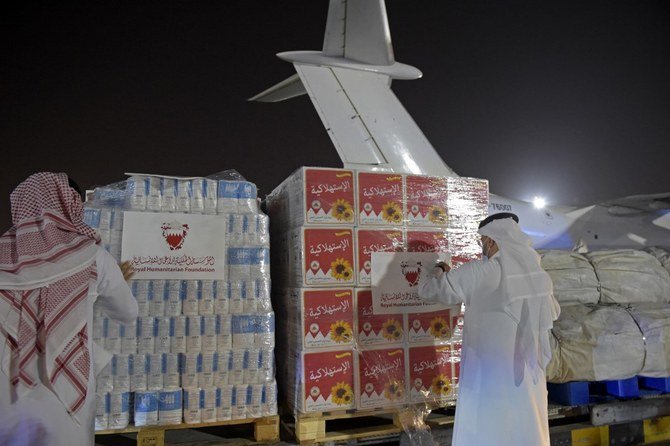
(52, 269)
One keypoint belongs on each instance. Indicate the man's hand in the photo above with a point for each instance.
(441, 268)
(127, 270)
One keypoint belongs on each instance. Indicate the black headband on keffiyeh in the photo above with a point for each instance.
(47, 263)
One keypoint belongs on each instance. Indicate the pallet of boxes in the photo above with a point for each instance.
(342, 362)
(201, 353)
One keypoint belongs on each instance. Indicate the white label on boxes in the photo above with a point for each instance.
(396, 279)
(175, 246)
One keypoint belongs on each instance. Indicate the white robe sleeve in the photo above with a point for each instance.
(475, 278)
(114, 294)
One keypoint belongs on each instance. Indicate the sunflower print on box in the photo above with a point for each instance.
(435, 327)
(432, 373)
(376, 329)
(327, 316)
(328, 256)
(380, 199)
(426, 201)
(381, 378)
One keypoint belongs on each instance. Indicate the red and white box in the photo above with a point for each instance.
(432, 376)
(436, 327)
(427, 240)
(380, 199)
(316, 257)
(375, 240)
(314, 196)
(380, 329)
(327, 381)
(325, 318)
(426, 201)
(382, 378)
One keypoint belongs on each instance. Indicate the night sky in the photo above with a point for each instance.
(566, 99)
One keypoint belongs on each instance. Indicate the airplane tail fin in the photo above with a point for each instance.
(286, 89)
(349, 84)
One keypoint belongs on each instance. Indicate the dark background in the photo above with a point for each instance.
(566, 99)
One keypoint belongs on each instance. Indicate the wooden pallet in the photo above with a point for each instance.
(266, 429)
(340, 426)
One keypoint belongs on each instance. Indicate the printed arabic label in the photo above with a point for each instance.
(376, 329)
(381, 378)
(328, 381)
(397, 278)
(329, 256)
(427, 241)
(328, 317)
(375, 240)
(431, 373)
(174, 246)
(426, 201)
(329, 196)
(380, 199)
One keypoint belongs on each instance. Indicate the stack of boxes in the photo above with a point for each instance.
(325, 225)
(201, 350)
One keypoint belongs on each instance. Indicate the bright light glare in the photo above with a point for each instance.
(539, 202)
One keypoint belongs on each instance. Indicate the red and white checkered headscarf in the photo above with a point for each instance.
(47, 263)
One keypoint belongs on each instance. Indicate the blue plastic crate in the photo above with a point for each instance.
(572, 393)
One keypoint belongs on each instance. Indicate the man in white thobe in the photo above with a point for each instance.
(509, 310)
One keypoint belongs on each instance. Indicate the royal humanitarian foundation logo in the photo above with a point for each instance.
(174, 234)
(411, 271)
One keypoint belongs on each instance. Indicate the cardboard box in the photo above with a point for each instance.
(427, 240)
(315, 257)
(324, 318)
(369, 240)
(376, 330)
(381, 379)
(380, 199)
(314, 196)
(436, 327)
(432, 376)
(327, 381)
(426, 201)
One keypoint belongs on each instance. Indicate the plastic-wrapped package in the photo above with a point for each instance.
(313, 196)
(381, 199)
(595, 344)
(394, 359)
(320, 381)
(319, 318)
(382, 380)
(146, 408)
(575, 281)
(374, 240)
(630, 276)
(170, 406)
(184, 324)
(433, 373)
(193, 403)
(376, 329)
(119, 410)
(101, 411)
(654, 322)
(308, 257)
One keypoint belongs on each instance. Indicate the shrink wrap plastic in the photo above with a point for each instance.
(176, 362)
(608, 342)
(607, 277)
(337, 354)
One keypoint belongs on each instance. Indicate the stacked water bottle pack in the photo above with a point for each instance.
(201, 350)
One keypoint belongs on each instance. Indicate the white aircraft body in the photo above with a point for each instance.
(349, 83)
